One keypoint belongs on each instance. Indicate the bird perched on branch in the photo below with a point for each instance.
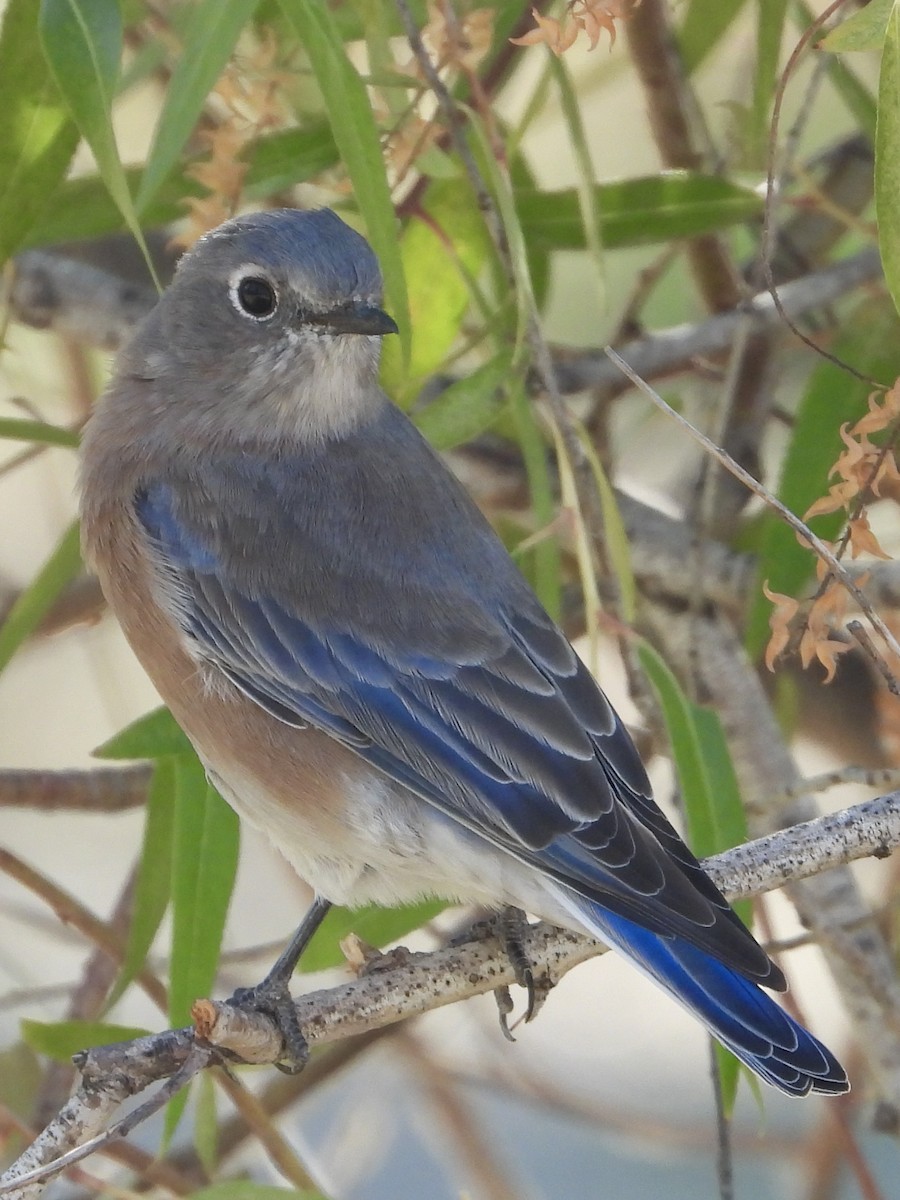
(362, 669)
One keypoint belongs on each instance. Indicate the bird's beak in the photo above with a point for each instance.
(353, 318)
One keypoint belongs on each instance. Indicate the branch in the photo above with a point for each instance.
(87, 304)
(422, 982)
(104, 789)
(673, 349)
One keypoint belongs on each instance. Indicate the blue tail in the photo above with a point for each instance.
(737, 1012)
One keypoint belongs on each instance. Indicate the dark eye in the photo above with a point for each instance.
(256, 297)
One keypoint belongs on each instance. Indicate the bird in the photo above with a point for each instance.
(363, 671)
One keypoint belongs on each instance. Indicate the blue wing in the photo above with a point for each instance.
(433, 660)
(430, 657)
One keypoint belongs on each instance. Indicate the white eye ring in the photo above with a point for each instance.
(252, 294)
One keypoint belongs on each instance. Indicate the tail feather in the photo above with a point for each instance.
(736, 1011)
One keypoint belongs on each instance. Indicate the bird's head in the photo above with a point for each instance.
(276, 314)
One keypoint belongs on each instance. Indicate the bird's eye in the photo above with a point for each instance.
(256, 297)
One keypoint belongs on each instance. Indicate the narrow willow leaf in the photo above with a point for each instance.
(206, 1124)
(82, 40)
(376, 925)
(467, 407)
(693, 779)
(155, 735)
(514, 232)
(887, 156)
(591, 219)
(545, 556)
(613, 532)
(37, 135)
(705, 24)
(863, 30)
(769, 31)
(280, 160)
(38, 598)
(692, 733)
(154, 878)
(59, 1040)
(637, 212)
(849, 86)
(208, 41)
(204, 860)
(357, 138)
(584, 552)
(21, 430)
(21, 1075)
(442, 253)
(729, 821)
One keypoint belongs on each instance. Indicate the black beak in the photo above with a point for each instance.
(352, 318)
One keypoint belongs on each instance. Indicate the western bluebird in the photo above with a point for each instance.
(362, 669)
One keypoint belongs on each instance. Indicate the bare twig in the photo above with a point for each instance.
(106, 789)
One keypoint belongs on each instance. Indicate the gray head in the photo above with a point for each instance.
(278, 311)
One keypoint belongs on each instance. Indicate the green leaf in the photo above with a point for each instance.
(467, 407)
(204, 860)
(714, 812)
(586, 190)
(730, 1071)
(37, 136)
(769, 32)
(20, 1079)
(545, 556)
(374, 924)
(693, 778)
(155, 735)
(154, 878)
(864, 30)
(281, 160)
(870, 339)
(206, 1124)
(38, 598)
(82, 40)
(59, 1040)
(614, 532)
(20, 430)
(714, 815)
(357, 138)
(887, 157)
(208, 41)
(705, 23)
(441, 255)
(500, 183)
(523, 181)
(728, 821)
(635, 212)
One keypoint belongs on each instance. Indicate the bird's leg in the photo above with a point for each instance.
(273, 996)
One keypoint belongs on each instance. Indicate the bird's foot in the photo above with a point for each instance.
(272, 998)
(510, 927)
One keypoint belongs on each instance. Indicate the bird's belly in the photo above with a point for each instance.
(392, 846)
